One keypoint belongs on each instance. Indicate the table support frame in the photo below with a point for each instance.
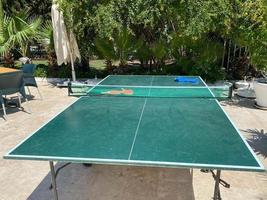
(53, 179)
(217, 193)
(217, 178)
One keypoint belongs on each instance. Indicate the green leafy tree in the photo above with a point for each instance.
(106, 50)
(142, 52)
(251, 30)
(155, 24)
(159, 52)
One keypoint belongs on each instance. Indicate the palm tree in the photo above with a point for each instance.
(16, 31)
(47, 40)
(117, 48)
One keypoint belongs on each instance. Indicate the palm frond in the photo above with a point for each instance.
(19, 30)
(105, 47)
(159, 50)
(45, 34)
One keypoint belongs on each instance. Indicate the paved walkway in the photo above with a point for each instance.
(21, 180)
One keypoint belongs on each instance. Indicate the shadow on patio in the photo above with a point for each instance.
(117, 182)
(258, 141)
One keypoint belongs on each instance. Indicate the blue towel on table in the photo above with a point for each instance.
(186, 80)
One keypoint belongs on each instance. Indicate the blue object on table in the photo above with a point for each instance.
(186, 79)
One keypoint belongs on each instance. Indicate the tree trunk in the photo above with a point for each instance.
(224, 48)
(247, 52)
(84, 66)
(52, 64)
(234, 51)
(9, 60)
(229, 54)
(146, 63)
(109, 65)
(1, 22)
(141, 63)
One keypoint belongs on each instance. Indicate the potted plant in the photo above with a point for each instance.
(260, 87)
(258, 53)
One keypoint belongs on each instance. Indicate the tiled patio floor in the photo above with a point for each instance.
(30, 180)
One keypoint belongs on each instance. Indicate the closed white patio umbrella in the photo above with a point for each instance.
(65, 42)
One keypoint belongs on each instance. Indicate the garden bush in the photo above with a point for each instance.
(205, 37)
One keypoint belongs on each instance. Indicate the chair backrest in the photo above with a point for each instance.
(11, 83)
(28, 68)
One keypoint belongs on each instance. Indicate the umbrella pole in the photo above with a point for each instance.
(72, 67)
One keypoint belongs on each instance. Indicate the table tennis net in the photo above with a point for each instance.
(160, 91)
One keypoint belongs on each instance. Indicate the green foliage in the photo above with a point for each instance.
(40, 71)
(105, 48)
(249, 29)
(46, 35)
(19, 30)
(198, 49)
(123, 44)
(117, 48)
(258, 54)
(159, 50)
(187, 32)
(104, 23)
(153, 21)
(64, 71)
(40, 8)
(142, 51)
(198, 56)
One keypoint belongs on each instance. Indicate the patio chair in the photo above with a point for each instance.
(29, 80)
(11, 83)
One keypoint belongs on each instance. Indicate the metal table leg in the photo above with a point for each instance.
(217, 195)
(53, 179)
(56, 173)
(218, 181)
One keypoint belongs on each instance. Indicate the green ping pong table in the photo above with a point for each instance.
(143, 121)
